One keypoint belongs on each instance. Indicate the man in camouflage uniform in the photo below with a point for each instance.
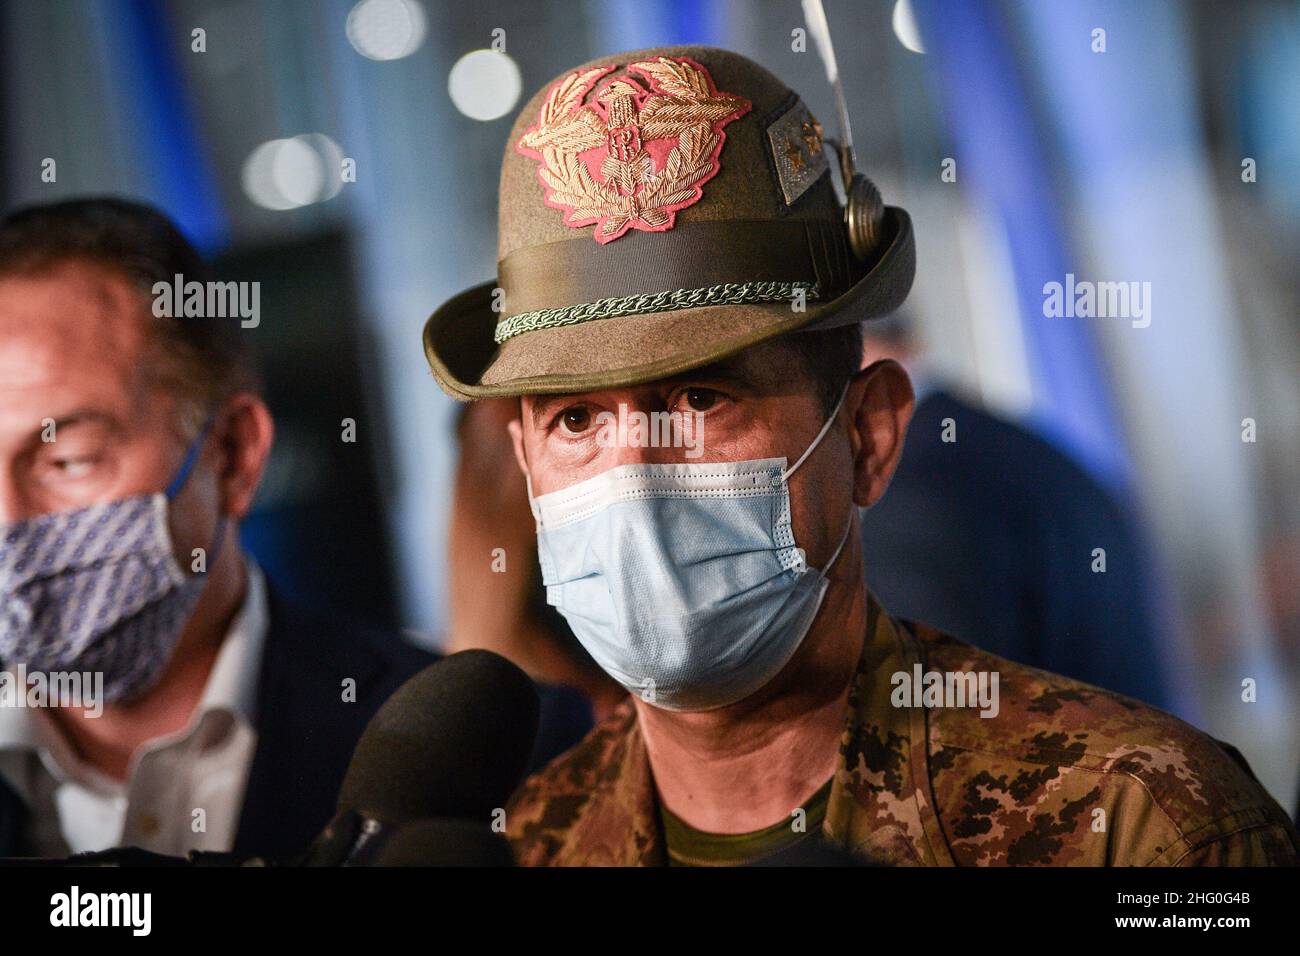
(671, 241)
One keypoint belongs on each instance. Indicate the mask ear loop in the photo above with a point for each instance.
(183, 474)
(840, 547)
(820, 435)
(532, 499)
(191, 456)
(804, 457)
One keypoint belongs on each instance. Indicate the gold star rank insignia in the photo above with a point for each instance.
(797, 151)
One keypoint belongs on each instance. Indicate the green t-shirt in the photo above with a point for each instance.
(688, 846)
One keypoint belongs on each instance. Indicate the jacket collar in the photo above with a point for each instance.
(881, 805)
(619, 824)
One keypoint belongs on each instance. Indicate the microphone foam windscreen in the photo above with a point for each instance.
(453, 741)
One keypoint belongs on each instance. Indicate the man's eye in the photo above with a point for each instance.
(73, 467)
(575, 420)
(700, 399)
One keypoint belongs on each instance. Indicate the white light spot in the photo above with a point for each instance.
(331, 159)
(485, 84)
(259, 179)
(385, 29)
(297, 172)
(289, 173)
(905, 27)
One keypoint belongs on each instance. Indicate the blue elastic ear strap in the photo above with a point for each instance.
(191, 456)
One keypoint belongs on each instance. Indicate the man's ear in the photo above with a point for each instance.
(516, 428)
(245, 432)
(880, 400)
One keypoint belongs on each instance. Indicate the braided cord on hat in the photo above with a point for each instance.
(729, 293)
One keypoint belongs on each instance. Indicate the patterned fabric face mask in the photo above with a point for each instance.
(98, 589)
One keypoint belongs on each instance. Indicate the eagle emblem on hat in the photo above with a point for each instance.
(628, 156)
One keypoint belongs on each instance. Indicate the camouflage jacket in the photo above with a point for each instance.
(946, 787)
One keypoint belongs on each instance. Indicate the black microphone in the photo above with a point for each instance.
(441, 755)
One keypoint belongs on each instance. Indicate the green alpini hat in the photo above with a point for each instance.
(660, 210)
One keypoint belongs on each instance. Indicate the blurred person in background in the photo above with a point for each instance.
(217, 698)
(496, 598)
(987, 533)
(131, 446)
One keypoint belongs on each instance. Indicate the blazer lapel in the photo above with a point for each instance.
(302, 722)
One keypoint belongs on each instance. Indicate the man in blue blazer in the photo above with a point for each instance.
(153, 690)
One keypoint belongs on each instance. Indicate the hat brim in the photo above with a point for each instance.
(634, 349)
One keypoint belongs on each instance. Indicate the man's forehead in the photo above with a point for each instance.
(60, 325)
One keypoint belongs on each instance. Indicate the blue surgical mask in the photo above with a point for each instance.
(98, 589)
(683, 581)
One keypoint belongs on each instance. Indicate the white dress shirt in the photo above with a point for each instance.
(183, 791)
